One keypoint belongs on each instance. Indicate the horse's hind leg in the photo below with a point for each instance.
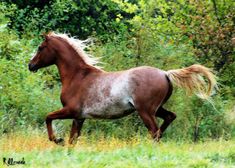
(75, 130)
(149, 122)
(168, 118)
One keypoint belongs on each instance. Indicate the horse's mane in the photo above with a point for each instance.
(79, 46)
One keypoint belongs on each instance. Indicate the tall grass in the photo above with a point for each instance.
(100, 152)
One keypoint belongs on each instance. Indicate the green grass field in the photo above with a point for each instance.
(90, 152)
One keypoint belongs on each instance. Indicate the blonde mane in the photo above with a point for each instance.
(79, 46)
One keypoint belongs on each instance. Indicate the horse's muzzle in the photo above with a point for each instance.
(32, 67)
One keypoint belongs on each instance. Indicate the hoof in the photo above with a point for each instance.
(73, 141)
(59, 141)
(158, 136)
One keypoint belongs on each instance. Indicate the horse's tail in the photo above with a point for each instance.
(191, 78)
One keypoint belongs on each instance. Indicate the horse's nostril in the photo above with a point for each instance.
(30, 66)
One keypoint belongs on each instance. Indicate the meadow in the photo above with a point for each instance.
(137, 152)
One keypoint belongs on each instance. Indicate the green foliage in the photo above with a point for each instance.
(82, 18)
(210, 28)
(22, 96)
(163, 34)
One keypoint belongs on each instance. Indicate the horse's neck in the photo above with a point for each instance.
(73, 68)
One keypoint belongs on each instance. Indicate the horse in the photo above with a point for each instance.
(89, 92)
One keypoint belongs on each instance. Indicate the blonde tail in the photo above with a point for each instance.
(191, 78)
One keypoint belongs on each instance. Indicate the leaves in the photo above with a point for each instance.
(163, 34)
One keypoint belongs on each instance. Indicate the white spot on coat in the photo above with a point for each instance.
(112, 97)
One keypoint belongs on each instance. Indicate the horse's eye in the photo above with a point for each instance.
(40, 48)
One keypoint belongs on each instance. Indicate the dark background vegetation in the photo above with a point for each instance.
(167, 34)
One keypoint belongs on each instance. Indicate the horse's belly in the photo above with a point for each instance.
(108, 109)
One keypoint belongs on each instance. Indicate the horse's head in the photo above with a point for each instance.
(45, 56)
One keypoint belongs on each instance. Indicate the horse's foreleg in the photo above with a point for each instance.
(60, 114)
(168, 118)
(150, 123)
(75, 130)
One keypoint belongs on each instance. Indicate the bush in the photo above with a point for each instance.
(129, 34)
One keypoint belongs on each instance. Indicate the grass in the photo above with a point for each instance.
(91, 152)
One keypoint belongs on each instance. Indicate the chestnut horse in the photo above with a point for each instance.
(90, 92)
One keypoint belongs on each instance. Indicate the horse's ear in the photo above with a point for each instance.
(43, 35)
(46, 35)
